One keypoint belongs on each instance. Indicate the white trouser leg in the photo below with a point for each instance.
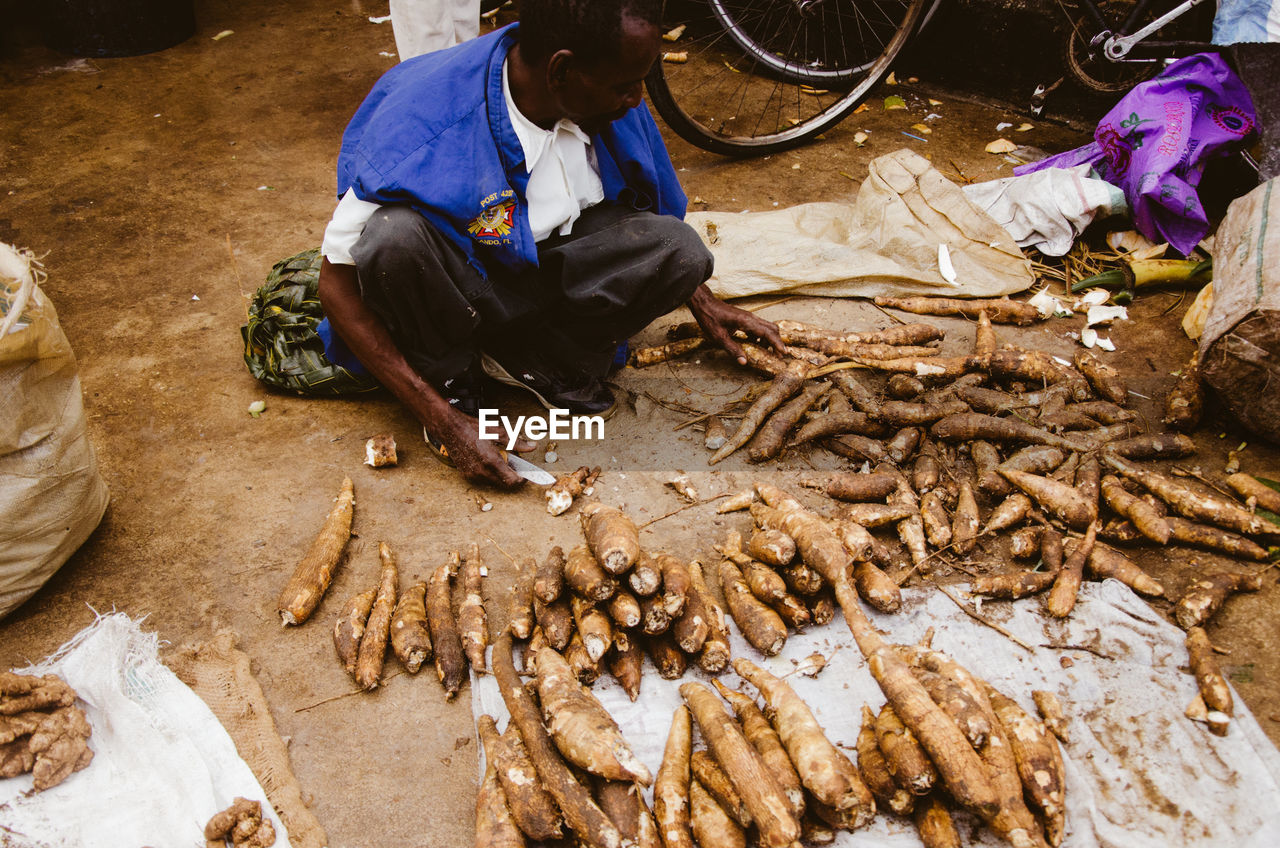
(422, 26)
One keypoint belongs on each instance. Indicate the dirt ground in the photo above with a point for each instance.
(161, 188)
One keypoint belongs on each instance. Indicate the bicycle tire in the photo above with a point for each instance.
(797, 45)
(765, 78)
(1091, 69)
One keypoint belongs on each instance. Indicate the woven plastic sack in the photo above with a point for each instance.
(281, 346)
(162, 763)
(1156, 141)
(1240, 345)
(883, 243)
(51, 494)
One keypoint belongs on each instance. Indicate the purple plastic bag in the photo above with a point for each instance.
(1155, 142)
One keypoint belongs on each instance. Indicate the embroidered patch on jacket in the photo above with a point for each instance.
(494, 223)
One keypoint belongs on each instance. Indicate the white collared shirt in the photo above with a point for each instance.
(564, 179)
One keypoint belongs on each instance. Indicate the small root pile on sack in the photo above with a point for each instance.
(242, 824)
(42, 731)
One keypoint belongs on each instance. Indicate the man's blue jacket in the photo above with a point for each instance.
(434, 133)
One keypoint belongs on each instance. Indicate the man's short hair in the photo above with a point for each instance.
(591, 29)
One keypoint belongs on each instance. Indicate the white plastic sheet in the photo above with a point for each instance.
(1139, 774)
(162, 765)
(1048, 209)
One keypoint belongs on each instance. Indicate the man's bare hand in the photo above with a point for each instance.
(720, 320)
(369, 340)
(480, 461)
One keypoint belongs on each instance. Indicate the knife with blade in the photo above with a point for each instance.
(529, 471)
(523, 467)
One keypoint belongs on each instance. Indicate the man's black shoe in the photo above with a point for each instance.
(555, 388)
(465, 392)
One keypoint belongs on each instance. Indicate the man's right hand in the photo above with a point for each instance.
(369, 340)
(479, 460)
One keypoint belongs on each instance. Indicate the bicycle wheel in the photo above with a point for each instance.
(758, 76)
(1090, 67)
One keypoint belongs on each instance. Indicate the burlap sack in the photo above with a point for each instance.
(1240, 346)
(51, 495)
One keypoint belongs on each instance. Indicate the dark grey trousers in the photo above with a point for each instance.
(618, 271)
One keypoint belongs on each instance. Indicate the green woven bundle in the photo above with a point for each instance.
(281, 347)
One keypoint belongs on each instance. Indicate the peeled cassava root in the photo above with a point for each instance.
(311, 578)
(373, 644)
(824, 770)
(580, 811)
(776, 825)
(582, 729)
(451, 662)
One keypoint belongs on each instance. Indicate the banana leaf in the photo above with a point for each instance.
(281, 347)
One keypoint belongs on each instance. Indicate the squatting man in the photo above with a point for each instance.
(508, 212)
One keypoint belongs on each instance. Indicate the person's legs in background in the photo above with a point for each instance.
(423, 26)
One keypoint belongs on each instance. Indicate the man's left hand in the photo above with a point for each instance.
(720, 320)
